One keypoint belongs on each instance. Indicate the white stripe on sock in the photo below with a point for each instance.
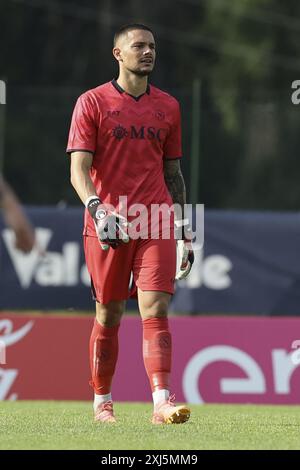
(101, 399)
(160, 395)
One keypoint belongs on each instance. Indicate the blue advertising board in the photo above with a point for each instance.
(249, 264)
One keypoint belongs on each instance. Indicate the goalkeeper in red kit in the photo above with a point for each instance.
(125, 141)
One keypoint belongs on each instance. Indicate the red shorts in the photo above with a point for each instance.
(152, 263)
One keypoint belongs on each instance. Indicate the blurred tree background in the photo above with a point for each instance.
(244, 54)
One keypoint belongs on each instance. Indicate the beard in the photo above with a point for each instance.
(140, 73)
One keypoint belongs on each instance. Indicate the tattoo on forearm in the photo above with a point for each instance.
(176, 187)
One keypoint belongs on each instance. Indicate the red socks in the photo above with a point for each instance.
(103, 356)
(157, 352)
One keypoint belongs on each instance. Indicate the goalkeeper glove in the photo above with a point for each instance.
(111, 228)
(185, 252)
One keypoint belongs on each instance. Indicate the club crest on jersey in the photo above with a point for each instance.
(160, 115)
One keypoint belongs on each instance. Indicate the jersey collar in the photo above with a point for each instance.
(121, 90)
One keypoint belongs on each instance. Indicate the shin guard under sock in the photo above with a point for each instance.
(157, 352)
(103, 356)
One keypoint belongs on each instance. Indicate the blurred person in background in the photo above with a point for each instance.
(15, 218)
(125, 140)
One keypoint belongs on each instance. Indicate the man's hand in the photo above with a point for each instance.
(25, 238)
(111, 227)
(185, 253)
(16, 218)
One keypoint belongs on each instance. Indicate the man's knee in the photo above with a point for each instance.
(110, 314)
(154, 305)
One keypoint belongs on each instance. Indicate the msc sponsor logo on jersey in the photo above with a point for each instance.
(119, 132)
(142, 133)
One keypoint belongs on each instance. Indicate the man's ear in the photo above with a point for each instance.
(117, 54)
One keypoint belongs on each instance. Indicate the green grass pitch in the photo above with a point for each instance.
(69, 425)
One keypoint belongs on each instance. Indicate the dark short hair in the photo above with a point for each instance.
(130, 27)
